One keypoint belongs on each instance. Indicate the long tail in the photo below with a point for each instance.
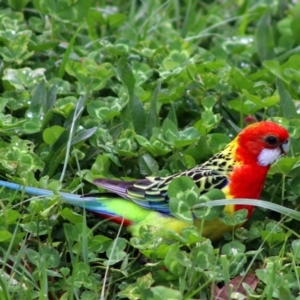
(116, 209)
(69, 198)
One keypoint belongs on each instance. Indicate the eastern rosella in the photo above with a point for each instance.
(239, 171)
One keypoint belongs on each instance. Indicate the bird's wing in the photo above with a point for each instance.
(151, 192)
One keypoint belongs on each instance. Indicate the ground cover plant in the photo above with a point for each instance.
(128, 89)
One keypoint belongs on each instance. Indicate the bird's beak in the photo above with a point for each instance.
(285, 146)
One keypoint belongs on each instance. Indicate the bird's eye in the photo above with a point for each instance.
(272, 140)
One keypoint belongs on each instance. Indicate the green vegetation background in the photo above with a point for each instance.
(127, 89)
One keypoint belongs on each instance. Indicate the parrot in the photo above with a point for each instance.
(239, 171)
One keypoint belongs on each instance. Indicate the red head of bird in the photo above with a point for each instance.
(262, 143)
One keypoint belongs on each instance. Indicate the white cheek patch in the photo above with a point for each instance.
(268, 156)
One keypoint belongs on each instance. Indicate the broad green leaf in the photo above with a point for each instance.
(36, 228)
(273, 238)
(284, 165)
(75, 11)
(162, 293)
(115, 251)
(18, 4)
(16, 51)
(241, 81)
(147, 165)
(134, 114)
(71, 216)
(204, 255)
(51, 134)
(232, 248)
(51, 256)
(81, 273)
(172, 264)
(19, 156)
(218, 141)
(72, 232)
(104, 111)
(116, 20)
(264, 37)
(33, 256)
(101, 165)
(11, 216)
(274, 67)
(24, 78)
(83, 135)
(170, 131)
(135, 290)
(183, 194)
(187, 137)
(99, 243)
(5, 235)
(209, 213)
(238, 218)
(287, 105)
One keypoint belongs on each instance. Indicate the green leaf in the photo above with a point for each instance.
(209, 213)
(39, 98)
(17, 49)
(238, 218)
(99, 243)
(187, 137)
(172, 264)
(232, 248)
(204, 257)
(19, 156)
(115, 251)
(172, 115)
(66, 56)
(273, 238)
(105, 110)
(274, 67)
(51, 134)
(24, 78)
(83, 135)
(162, 293)
(72, 232)
(81, 273)
(5, 235)
(170, 131)
(284, 165)
(50, 256)
(126, 76)
(135, 290)
(153, 119)
(241, 81)
(11, 216)
(116, 20)
(75, 11)
(147, 165)
(134, 113)
(18, 4)
(287, 105)
(264, 37)
(71, 216)
(183, 194)
(218, 141)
